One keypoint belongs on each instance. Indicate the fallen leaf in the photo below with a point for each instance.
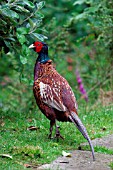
(66, 154)
(30, 166)
(27, 165)
(32, 128)
(6, 155)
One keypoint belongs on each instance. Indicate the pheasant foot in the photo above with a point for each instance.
(58, 135)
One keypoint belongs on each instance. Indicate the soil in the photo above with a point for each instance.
(82, 160)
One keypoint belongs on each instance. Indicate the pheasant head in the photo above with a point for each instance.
(42, 49)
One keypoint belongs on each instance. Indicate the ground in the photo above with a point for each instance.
(82, 160)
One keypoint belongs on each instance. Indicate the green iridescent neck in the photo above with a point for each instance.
(43, 57)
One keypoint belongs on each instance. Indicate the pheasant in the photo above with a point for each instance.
(53, 94)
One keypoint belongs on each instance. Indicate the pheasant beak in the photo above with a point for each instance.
(32, 46)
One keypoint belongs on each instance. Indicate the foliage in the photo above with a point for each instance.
(94, 48)
(19, 22)
(99, 13)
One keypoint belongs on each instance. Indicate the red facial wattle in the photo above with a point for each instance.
(38, 46)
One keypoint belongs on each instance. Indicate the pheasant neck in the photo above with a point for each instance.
(43, 57)
(41, 65)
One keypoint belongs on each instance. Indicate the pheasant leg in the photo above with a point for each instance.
(51, 129)
(58, 135)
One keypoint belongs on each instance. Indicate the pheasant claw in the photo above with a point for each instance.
(58, 135)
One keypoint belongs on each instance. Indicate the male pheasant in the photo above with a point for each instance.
(53, 94)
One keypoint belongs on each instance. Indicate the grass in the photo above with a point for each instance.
(34, 148)
(99, 149)
(111, 165)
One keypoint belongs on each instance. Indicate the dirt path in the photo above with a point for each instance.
(82, 160)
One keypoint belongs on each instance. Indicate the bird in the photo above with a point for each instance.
(53, 94)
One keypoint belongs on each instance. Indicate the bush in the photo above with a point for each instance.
(20, 23)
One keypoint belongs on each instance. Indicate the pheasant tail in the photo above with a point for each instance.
(76, 120)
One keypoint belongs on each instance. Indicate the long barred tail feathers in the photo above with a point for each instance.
(77, 122)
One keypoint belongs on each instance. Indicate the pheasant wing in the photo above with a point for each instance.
(51, 96)
(58, 94)
(68, 97)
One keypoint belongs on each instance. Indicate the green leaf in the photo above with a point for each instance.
(92, 9)
(6, 155)
(23, 60)
(30, 4)
(9, 13)
(23, 30)
(39, 36)
(81, 16)
(39, 14)
(40, 5)
(2, 22)
(8, 44)
(24, 79)
(21, 9)
(31, 82)
(21, 38)
(10, 38)
(79, 2)
(25, 50)
(31, 23)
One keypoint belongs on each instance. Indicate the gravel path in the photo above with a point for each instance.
(82, 160)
